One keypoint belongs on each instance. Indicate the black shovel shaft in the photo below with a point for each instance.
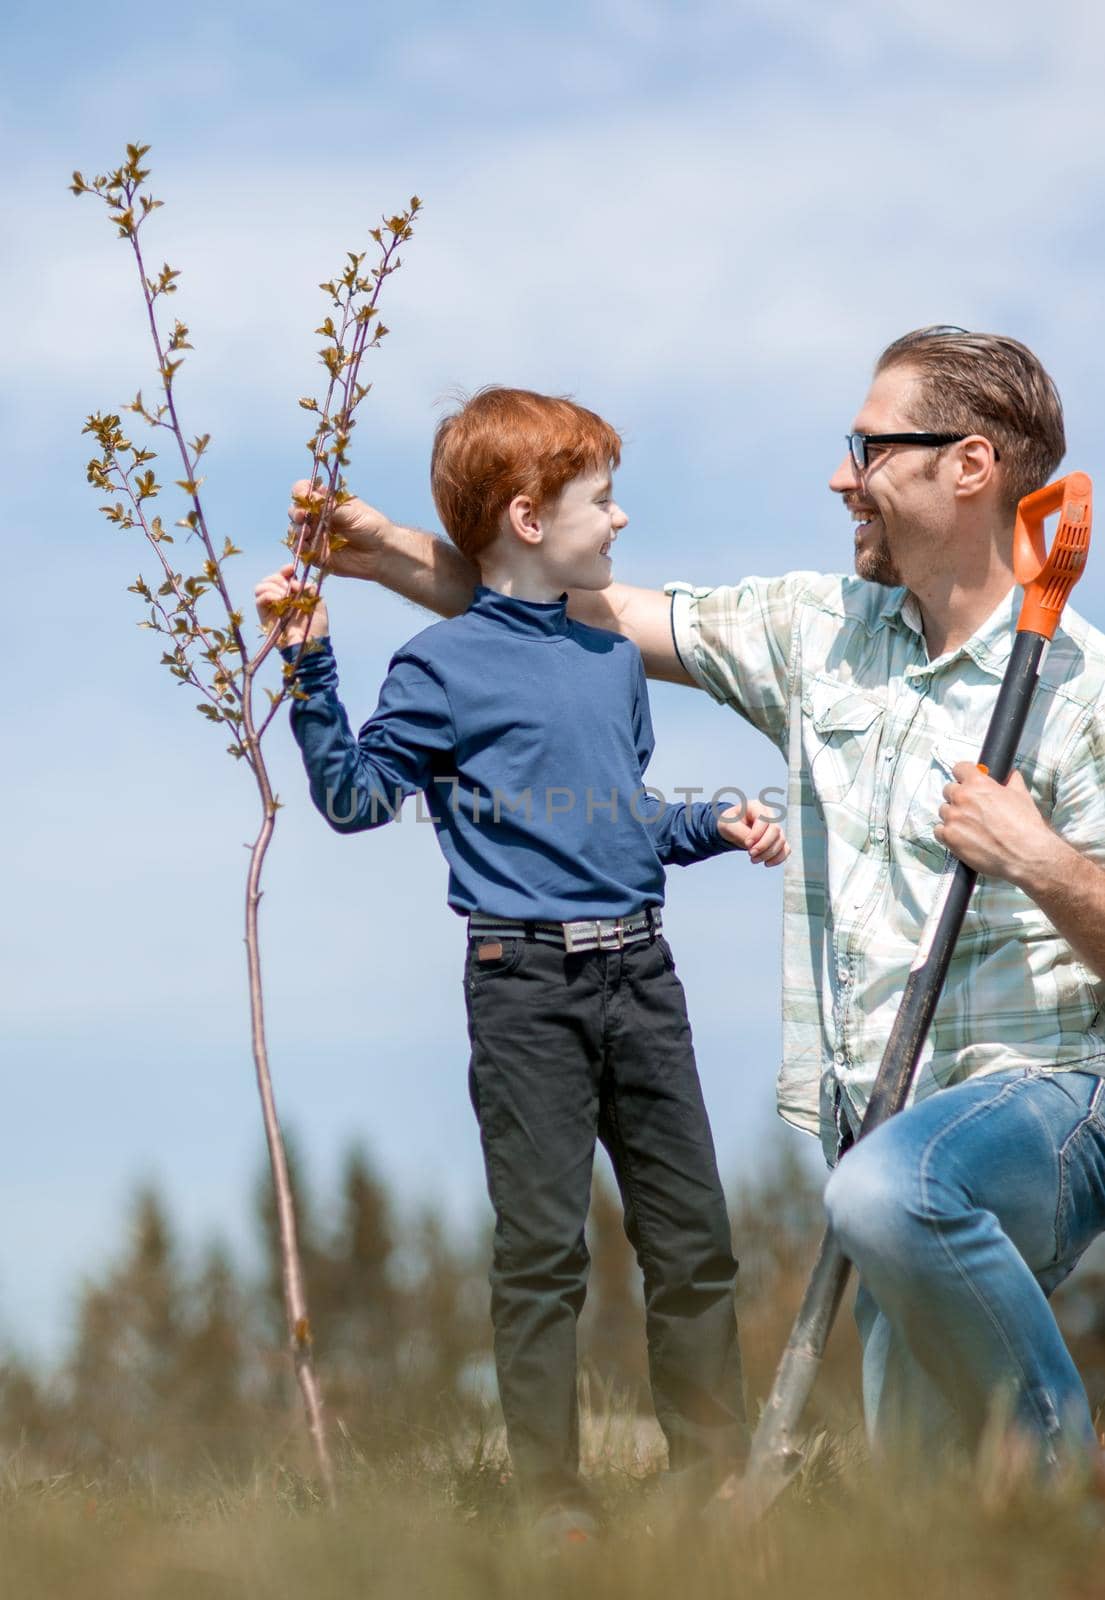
(775, 1456)
(773, 1444)
(926, 980)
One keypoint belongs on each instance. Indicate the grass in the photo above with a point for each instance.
(440, 1522)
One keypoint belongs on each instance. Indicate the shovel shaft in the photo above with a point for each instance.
(926, 979)
(774, 1455)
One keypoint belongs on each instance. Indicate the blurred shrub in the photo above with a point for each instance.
(173, 1367)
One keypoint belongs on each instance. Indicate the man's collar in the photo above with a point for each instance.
(895, 604)
(988, 647)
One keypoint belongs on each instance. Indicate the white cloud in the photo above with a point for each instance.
(707, 244)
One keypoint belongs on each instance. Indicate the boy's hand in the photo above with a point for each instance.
(750, 830)
(300, 626)
(361, 525)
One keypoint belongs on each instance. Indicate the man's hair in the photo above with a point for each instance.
(507, 442)
(987, 384)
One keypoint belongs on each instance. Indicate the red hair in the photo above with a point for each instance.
(507, 442)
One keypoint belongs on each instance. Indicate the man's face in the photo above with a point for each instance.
(579, 530)
(901, 509)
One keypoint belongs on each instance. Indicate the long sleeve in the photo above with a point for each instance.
(682, 834)
(359, 783)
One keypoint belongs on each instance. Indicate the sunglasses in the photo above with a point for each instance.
(859, 444)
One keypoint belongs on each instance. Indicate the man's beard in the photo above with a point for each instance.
(876, 565)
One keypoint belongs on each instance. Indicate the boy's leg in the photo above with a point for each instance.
(534, 1017)
(961, 1215)
(654, 1124)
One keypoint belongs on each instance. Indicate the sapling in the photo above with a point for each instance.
(211, 654)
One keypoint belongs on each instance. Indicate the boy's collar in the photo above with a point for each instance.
(541, 619)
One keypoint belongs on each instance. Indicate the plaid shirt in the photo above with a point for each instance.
(835, 671)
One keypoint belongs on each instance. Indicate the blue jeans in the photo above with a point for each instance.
(962, 1215)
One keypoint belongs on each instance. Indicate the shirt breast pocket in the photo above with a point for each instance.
(923, 809)
(841, 730)
(922, 813)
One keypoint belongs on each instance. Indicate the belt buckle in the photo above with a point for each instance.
(576, 933)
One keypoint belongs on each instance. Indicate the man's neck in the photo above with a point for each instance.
(969, 572)
(952, 611)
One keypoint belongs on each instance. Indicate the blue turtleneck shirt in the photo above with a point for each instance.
(528, 735)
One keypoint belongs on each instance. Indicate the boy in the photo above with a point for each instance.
(529, 734)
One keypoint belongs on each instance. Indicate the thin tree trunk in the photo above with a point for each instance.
(355, 297)
(295, 1296)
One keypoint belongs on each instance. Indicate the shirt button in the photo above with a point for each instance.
(880, 834)
(842, 970)
(838, 1058)
(889, 755)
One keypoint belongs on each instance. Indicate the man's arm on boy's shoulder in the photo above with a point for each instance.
(643, 615)
(434, 574)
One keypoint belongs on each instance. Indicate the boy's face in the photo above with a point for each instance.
(578, 531)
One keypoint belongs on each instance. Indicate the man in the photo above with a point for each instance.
(963, 1213)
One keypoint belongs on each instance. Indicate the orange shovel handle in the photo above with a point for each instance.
(1048, 576)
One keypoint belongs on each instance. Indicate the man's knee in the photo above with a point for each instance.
(869, 1206)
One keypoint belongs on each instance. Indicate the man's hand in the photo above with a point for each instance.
(300, 625)
(995, 828)
(362, 527)
(434, 574)
(750, 830)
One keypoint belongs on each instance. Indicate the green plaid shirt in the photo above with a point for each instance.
(835, 671)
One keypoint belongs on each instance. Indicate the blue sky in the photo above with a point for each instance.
(703, 220)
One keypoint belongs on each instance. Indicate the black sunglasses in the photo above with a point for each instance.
(858, 443)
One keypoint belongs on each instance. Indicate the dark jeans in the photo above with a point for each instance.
(567, 1048)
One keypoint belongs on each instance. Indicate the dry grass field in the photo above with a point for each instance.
(417, 1526)
(163, 1457)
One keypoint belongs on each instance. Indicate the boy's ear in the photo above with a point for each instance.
(523, 521)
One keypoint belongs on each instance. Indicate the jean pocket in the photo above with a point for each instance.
(491, 958)
(1081, 1211)
(665, 952)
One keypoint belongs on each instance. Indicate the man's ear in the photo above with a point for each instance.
(522, 520)
(976, 457)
